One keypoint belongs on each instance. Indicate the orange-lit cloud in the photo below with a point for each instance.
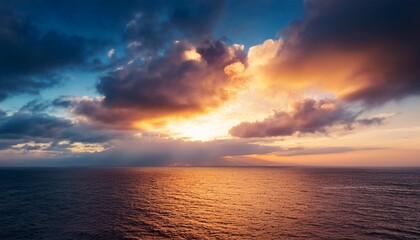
(360, 51)
(346, 50)
(185, 81)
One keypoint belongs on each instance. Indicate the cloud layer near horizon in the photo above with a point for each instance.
(32, 127)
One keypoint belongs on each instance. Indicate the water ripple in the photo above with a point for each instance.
(209, 203)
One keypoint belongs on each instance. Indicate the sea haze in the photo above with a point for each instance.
(209, 203)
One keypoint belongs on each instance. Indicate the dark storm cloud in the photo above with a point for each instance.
(81, 132)
(308, 116)
(7, 143)
(171, 67)
(35, 105)
(2, 114)
(63, 101)
(80, 15)
(156, 26)
(30, 58)
(27, 125)
(169, 85)
(170, 82)
(38, 127)
(30, 147)
(377, 42)
(97, 16)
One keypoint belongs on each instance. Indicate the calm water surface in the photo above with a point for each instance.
(209, 203)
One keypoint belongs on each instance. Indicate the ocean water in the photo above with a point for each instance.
(209, 203)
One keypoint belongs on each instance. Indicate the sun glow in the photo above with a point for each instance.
(196, 131)
(217, 123)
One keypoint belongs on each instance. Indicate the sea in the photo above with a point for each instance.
(209, 203)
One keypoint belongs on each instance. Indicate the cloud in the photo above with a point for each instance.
(184, 81)
(8, 143)
(188, 16)
(169, 152)
(364, 51)
(26, 125)
(371, 120)
(38, 127)
(77, 15)
(159, 151)
(171, 67)
(2, 114)
(33, 138)
(111, 53)
(152, 150)
(316, 151)
(157, 25)
(307, 116)
(30, 58)
(35, 105)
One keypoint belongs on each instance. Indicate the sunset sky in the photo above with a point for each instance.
(210, 83)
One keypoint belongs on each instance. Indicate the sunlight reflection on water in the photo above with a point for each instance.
(209, 203)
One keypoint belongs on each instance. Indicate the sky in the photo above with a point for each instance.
(210, 83)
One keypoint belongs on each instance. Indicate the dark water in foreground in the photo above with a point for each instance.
(209, 203)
